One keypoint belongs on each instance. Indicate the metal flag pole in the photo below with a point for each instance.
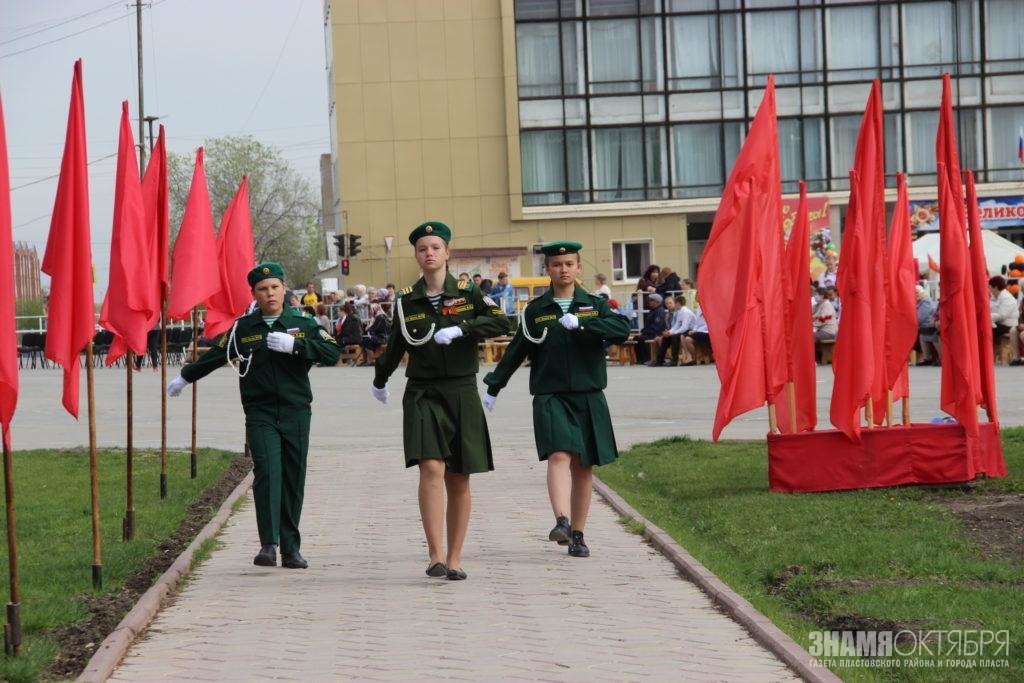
(128, 523)
(12, 629)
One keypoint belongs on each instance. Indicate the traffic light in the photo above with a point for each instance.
(339, 244)
(344, 266)
(353, 244)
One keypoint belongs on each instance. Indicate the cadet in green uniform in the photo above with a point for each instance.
(272, 349)
(563, 332)
(438, 322)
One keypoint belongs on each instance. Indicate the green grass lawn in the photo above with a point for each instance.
(54, 527)
(879, 559)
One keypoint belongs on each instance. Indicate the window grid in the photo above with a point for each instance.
(892, 64)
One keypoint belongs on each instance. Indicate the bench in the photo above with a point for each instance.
(702, 355)
(624, 353)
(349, 355)
(1002, 351)
(824, 347)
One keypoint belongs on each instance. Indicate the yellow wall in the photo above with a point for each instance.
(427, 128)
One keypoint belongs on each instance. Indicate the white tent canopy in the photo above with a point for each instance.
(999, 251)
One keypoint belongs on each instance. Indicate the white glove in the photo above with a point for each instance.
(569, 321)
(381, 394)
(176, 385)
(446, 335)
(280, 341)
(489, 402)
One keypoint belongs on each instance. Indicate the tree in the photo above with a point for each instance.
(284, 208)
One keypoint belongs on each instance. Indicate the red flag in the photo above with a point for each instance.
(979, 280)
(946, 154)
(155, 198)
(932, 265)
(741, 275)
(129, 304)
(68, 256)
(870, 164)
(236, 255)
(956, 324)
(8, 333)
(195, 275)
(901, 305)
(800, 330)
(853, 357)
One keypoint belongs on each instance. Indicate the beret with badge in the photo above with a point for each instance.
(265, 270)
(560, 248)
(430, 229)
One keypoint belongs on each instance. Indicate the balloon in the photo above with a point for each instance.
(1019, 258)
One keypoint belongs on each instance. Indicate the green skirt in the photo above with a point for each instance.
(444, 419)
(577, 423)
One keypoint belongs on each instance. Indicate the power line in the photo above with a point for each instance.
(60, 23)
(57, 40)
(298, 10)
(56, 175)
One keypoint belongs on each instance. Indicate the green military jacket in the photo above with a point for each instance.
(568, 360)
(462, 304)
(276, 384)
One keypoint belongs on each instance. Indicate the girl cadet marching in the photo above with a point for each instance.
(563, 333)
(438, 322)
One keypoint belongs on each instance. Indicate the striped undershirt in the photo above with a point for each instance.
(563, 303)
(435, 300)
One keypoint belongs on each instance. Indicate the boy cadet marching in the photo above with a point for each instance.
(438, 322)
(563, 332)
(272, 349)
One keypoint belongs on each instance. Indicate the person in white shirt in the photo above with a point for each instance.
(681, 321)
(696, 336)
(601, 285)
(1002, 307)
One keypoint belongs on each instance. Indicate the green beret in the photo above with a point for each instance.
(435, 228)
(265, 270)
(559, 248)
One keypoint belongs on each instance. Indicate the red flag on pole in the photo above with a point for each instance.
(129, 304)
(8, 328)
(195, 273)
(932, 265)
(853, 358)
(236, 254)
(870, 164)
(800, 336)
(741, 275)
(956, 324)
(68, 256)
(155, 198)
(979, 281)
(901, 305)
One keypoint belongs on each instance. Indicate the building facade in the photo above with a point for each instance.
(27, 285)
(615, 122)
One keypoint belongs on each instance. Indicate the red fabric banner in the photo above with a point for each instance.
(901, 304)
(195, 274)
(979, 291)
(741, 269)
(956, 324)
(853, 357)
(68, 256)
(155, 197)
(236, 255)
(799, 327)
(8, 327)
(129, 304)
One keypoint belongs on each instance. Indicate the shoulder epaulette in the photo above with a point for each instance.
(466, 285)
(405, 290)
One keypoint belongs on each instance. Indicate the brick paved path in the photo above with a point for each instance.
(366, 611)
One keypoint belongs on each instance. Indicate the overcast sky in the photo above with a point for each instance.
(211, 68)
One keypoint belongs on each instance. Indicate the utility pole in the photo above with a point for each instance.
(142, 108)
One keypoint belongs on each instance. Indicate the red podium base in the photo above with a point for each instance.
(886, 456)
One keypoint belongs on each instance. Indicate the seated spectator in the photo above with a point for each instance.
(828, 277)
(376, 335)
(347, 328)
(321, 317)
(668, 283)
(927, 327)
(601, 285)
(654, 325)
(696, 336)
(1002, 307)
(308, 312)
(824, 319)
(647, 284)
(681, 321)
(832, 294)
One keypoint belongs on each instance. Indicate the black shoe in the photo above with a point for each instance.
(437, 570)
(266, 557)
(692, 362)
(293, 561)
(1017, 361)
(456, 575)
(577, 548)
(561, 533)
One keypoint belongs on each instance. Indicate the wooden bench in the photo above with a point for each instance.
(702, 355)
(349, 355)
(624, 353)
(1002, 351)
(824, 347)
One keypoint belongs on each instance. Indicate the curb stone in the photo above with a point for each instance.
(760, 627)
(113, 648)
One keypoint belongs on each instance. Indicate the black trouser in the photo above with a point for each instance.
(671, 341)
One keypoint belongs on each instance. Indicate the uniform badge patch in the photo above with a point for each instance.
(325, 335)
(455, 302)
(489, 301)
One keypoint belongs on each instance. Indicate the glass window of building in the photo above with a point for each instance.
(629, 258)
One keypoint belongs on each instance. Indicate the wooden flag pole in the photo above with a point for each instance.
(888, 408)
(97, 564)
(128, 523)
(906, 409)
(12, 629)
(791, 402)
(163, 401)
(773, 422)
(869, 413)
(195, 390)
